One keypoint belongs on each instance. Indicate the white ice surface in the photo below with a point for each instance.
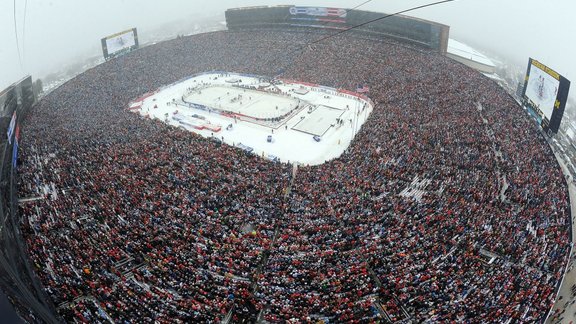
(288, 144)
(320, 120)
(252, 103)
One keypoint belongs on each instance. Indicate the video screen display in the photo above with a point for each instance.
(542, 90)
(126, 40)
(120, 42)
(545, 94)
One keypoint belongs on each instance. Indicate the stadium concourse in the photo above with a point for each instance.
(447, 206)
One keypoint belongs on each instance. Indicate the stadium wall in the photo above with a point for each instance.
(17, 277)
(403, 28)
(411, 30)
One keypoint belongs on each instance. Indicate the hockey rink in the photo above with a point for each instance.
(243, 101)
(312, 124)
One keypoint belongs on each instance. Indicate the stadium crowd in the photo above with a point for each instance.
(447, 206)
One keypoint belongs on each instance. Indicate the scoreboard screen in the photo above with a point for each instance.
(545, 93)
(119, 43)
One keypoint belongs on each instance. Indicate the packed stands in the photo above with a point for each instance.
(447, 206)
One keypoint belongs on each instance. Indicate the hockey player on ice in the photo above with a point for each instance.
(540, 87)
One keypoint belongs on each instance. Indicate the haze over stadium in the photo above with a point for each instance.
(300, 165)
(502, 28)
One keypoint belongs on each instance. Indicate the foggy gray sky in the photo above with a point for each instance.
(58, 31)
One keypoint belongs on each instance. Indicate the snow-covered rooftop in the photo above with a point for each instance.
(460, 49)
(495, 77)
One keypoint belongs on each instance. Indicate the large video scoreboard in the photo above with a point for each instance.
(545, 94)
(119, 43)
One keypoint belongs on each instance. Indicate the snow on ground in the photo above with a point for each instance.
(312, 127)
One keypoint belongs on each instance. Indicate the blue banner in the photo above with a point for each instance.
(14, 154)
(11, 128)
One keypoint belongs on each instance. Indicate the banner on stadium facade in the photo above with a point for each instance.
(318, 11)
(15, 147)
(11, 127)
(15, 153)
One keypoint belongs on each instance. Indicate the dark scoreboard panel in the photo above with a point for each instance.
(8, 101)
(16, 99)
(19, 96)
(545, 93)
